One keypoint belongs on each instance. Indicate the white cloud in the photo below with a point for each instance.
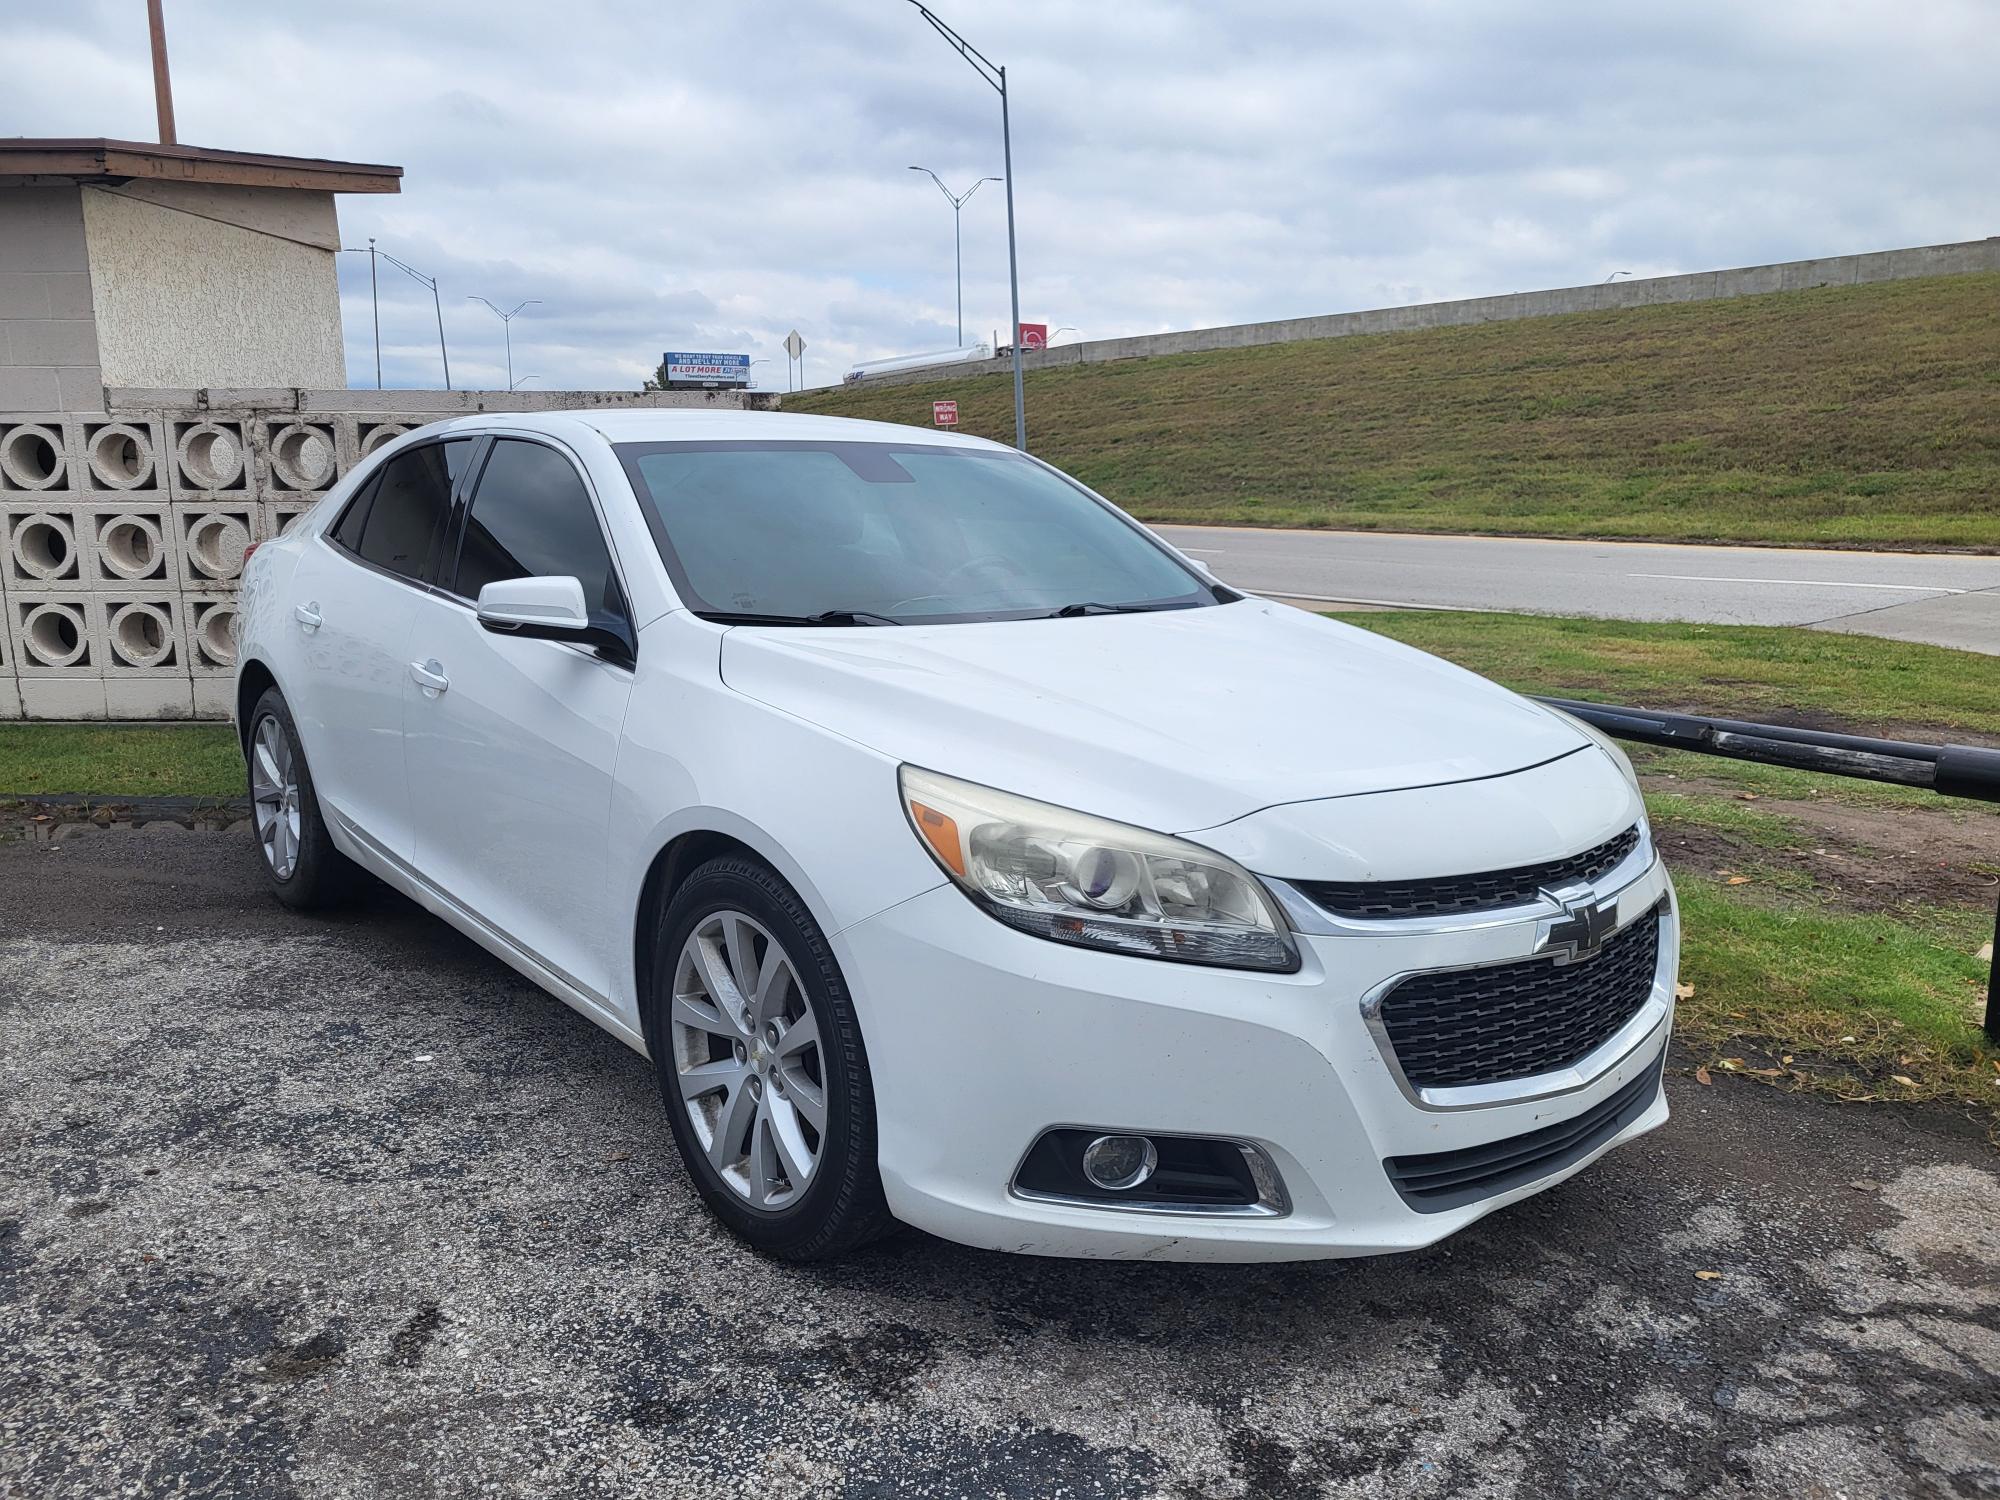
(711, 176)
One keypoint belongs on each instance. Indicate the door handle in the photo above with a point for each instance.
(429, 675)
(307, 614)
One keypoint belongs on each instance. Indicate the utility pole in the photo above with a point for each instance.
(163, 83)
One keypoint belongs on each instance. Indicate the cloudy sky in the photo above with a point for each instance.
(708, 176)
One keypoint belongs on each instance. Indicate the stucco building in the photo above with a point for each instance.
(130, 264)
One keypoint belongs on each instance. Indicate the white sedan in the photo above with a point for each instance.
(960, 853)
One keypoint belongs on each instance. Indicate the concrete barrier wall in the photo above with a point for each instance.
(122, 532)
(1698, 286)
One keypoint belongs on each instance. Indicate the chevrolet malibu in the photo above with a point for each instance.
(960, 854)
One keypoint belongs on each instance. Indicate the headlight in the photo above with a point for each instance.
(1076, 879)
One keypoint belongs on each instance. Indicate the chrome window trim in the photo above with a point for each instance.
(1308, 916)
(1650, 1019)
(1273, 1201)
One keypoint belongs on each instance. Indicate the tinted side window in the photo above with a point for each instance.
(411, 501)
(347, 530)
(531, 518)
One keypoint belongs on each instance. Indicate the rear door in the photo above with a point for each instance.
(512, 743)
(354, 596)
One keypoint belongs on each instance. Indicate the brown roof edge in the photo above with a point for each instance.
(85, 158)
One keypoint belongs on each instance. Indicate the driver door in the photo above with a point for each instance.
(512, 743)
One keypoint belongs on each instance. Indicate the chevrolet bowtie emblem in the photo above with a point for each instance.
(1582, 929)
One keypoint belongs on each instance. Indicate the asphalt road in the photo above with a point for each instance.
(327, 1208)
(1944, 599)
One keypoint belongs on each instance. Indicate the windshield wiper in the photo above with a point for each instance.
(849, 617)
(1092, 607)
(824, 617)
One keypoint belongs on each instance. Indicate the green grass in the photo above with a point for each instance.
(1851, 415)
(182, 760)
(1877, 998)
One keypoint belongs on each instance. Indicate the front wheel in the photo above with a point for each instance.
(761, 1065)
(302, 866)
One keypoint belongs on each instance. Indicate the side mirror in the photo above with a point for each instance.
(548, 609)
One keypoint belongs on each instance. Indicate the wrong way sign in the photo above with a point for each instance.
(944, 413)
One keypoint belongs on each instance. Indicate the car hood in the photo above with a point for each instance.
(1174, 720)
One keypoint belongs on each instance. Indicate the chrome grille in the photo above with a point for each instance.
(1514, 1020)
(1453, 894)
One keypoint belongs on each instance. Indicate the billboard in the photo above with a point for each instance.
(707, 369)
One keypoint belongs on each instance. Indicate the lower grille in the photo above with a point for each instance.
(1514, 1020)
(1442, 1180)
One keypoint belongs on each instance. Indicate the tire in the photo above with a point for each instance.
(749, 1137)
(294, 849)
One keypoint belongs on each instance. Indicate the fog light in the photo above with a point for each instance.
(1119, 1162)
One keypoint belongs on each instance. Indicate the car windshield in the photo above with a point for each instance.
(888, 533)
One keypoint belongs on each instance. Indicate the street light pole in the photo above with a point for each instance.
(506, 322)
(375, 303)
(957, 201)
(374, 297)
(996, 79)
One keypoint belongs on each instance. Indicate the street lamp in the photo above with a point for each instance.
(375, 300)
(507, 322)
(1615, 275)
(996, 79)
(957, 201)
(515, 385)
(1066, 328)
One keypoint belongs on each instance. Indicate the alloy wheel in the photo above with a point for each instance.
(747, 1057)
(274, 796)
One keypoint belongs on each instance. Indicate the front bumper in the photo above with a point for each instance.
(980, 1038)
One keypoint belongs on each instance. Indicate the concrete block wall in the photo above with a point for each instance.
(1700, 286)
(122, 531)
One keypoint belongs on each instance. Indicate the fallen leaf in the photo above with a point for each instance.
(1766, 1072)
(1708, 1275)
(1732, 1063)
(1747, 796)
(1701, 1076)
(1737, 880)
(1908, 1083)
(1786, 1058)
(1686, 992)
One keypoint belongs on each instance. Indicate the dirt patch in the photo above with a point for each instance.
(1863, 859)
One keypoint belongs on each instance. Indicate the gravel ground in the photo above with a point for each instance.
(342, 1207)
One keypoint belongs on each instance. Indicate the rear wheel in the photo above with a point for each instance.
(300, 862)
(761, 1065)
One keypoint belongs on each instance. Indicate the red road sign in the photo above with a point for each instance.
(944, 413)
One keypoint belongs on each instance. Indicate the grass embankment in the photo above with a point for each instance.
(1831, 927)
(1859, 415)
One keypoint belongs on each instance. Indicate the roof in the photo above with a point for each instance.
(35, 161)
(635, 424)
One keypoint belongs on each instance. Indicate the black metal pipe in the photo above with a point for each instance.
(1950, 770)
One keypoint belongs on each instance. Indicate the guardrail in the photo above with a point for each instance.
(1949, 770)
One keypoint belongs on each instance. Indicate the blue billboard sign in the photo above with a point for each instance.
(707, 369)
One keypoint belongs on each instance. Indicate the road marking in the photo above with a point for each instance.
(1808, 583)
(1457, 609)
